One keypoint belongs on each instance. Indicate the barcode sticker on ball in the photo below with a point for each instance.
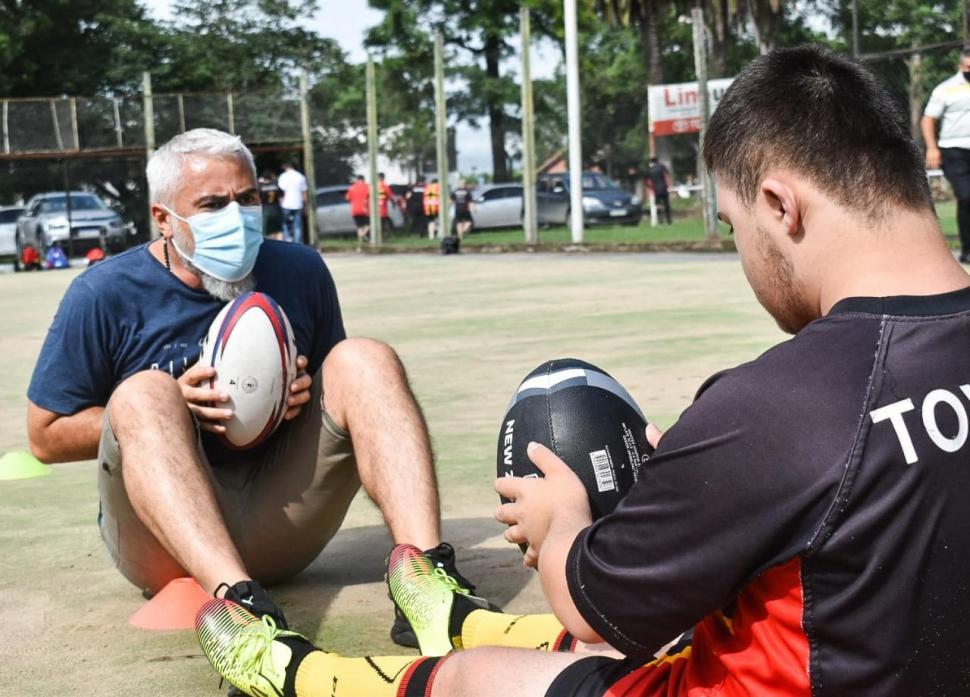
(603, 469)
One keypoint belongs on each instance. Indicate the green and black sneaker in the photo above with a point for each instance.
(429, 599)
(253, 654)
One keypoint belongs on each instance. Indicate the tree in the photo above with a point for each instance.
(481, 29)
(405, 76)
(243, 45)
(101, 48)
(647, 17)
(889, 25)
(52, 47)
(614, 105)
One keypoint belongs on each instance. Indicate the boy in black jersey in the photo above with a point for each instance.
(462, 198)
(806, 516)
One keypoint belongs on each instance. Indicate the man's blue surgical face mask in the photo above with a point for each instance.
(226, 241)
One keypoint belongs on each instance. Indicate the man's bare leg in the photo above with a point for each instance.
(524, 672)
(169, 487)
(366, 392)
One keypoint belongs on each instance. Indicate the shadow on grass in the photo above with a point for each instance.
(356, 557)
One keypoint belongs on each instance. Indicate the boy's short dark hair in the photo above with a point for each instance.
(824, 116)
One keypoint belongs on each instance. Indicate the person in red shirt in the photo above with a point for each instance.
(359, 196)
(384, 196)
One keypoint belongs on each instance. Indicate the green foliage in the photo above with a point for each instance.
(889, 25)
(53, 47)
(478, 34)
(102, 47)
(615, 103)
(243, 45)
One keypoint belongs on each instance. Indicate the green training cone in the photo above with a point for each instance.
(22, 465)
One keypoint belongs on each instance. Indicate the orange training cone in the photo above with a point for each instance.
(174, 607)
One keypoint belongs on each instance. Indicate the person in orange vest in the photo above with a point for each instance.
(432, 202)
(359, 196)
(384, 196)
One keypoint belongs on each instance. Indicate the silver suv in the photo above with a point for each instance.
(76, 221)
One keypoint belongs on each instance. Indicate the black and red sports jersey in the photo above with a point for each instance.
(808, 516)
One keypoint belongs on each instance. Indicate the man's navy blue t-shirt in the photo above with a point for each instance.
(129, 313)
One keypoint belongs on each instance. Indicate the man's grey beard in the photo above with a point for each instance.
(217, 288)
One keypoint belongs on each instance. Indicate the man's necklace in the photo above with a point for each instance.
(168, 262)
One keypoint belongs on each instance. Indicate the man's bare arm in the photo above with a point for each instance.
(59, 438)
(933, 157)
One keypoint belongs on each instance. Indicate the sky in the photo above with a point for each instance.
(347, 21)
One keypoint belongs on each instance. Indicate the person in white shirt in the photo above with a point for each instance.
(950, 104)
(293, 186)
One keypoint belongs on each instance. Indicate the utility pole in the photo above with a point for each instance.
(308, 170)
(149, 115)
(441, 133)
(573, 116)
(700, 66)
(375, 213)
(529, 218)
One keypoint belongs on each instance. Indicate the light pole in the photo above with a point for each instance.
(573, 115)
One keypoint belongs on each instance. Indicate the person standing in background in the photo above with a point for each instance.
(414, 204)
(950, 105)
(658, 181)
(384, 196)
(462, 198)
(432, 202)
(359, 196)
(294, 188)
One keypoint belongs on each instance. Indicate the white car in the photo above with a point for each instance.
(8, 230)
(77, 225)
(496, 206)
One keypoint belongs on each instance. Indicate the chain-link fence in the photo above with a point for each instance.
(66, 125)
(101, 143)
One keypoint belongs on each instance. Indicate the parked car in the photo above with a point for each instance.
(604, 202)
(497, 205)
(92, 223)
(333, 212)
(8, 232)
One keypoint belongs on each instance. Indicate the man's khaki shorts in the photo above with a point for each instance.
(281, 506)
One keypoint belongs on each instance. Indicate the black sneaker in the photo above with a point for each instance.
(254, 598)
(443, 557)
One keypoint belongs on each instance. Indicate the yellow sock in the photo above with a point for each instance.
(543, 632)
(323, 674)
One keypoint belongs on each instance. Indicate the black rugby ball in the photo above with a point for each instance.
(584, 416)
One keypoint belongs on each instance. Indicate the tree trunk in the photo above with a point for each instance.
(915, 65)
(652, 15)
(496, 109)
(767, 17)
(716, 18)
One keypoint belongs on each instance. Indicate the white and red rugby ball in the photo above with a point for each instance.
(250, 344)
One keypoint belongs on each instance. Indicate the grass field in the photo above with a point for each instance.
(468, 328)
